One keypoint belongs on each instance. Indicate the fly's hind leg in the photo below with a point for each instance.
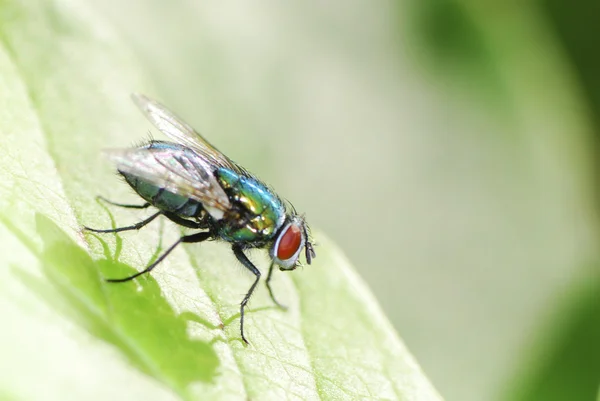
(135, 226)
(127, 206)
(198, 237)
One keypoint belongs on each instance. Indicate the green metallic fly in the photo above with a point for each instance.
(194, 185)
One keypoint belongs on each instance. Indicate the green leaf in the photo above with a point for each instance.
(64, 83)
(564, 361)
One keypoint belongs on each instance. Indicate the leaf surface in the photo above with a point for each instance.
(64, 83)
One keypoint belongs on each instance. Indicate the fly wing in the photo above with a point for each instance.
(178, 171)
(178, 130)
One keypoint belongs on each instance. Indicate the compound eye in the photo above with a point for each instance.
(289, 242)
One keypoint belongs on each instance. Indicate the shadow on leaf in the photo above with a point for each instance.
(134, 316)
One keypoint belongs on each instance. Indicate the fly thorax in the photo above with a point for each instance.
(256, 213)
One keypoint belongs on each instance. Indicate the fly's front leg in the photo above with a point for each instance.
(268, 282)
(239, 254)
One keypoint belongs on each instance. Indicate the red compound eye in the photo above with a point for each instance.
(289, 243)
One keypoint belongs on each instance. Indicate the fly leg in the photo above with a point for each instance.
(135, 226)
(239, 254)
(127, 206)
(181, 221)
(198, 237)
(268, 282)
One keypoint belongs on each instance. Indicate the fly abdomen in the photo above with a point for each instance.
(163, 199)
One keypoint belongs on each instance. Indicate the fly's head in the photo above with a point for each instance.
(292, 237)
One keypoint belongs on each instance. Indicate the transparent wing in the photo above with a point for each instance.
(178, 130)
(178, 171)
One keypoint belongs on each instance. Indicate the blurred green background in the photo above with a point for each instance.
(449, 147)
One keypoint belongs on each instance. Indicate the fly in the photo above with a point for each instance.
(194, 185)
